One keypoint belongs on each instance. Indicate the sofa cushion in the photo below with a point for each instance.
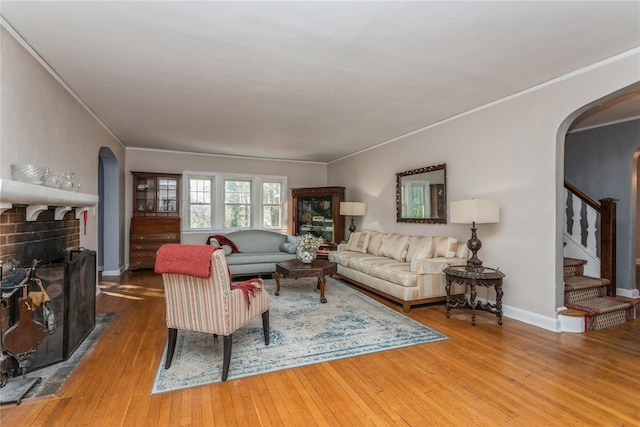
(445, 247)
(343, 257)
(358, 241)
(395, 272)
(257, 257)
(365, 262)
(376, 238)
(395, 246)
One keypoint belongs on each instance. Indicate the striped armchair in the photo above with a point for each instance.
(213, 305)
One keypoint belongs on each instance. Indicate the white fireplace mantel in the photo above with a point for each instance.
(39, 198)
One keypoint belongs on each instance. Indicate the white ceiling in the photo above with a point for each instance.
(312, 81)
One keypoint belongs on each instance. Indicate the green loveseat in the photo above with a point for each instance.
(259, 251)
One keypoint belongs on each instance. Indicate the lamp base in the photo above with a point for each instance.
(352, 226)
(474, 244)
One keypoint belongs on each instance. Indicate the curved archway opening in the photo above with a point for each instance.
(109, 213)
(600, 146)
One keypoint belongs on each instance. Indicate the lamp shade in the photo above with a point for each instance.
(353, 208)
(474, 210)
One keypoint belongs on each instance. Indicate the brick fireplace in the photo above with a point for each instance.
(68, 275)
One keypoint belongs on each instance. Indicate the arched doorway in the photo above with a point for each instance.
(601, 153)
(109, 213)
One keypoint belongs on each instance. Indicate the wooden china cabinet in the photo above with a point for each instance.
(316, 210)
(156, 216)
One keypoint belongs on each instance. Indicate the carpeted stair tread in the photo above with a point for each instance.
(588, 295)
(601, 305)
(573, 283)
(573, 261)
(573, 267)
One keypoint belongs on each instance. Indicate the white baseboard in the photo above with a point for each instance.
(629, 293)
(574, 324)
(545, 322)
(112, 273)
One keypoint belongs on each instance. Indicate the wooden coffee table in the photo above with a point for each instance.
(295, 268)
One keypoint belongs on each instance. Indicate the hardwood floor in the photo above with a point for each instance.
(514, 375)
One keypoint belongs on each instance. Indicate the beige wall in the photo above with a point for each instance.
(511, 152)
(42, 124)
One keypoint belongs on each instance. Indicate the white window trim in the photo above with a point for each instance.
(218, 200)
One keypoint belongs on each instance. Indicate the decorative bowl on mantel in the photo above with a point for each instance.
(29, 174)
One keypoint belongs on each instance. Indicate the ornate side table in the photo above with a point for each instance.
(472, 277)
(295, 268)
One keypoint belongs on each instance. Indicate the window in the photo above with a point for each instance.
(224, 201)
(272, 206)
(237, 203)
(200, 202)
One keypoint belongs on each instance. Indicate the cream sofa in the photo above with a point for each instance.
(406, 269)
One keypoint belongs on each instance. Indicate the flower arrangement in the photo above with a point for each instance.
(309, 242)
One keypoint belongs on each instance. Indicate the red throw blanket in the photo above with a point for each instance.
(223, 240)
(248, 287)
(192, 260)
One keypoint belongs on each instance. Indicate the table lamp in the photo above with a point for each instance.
(352, 209)
(474, 212)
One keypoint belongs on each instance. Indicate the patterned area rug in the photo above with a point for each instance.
(303, 332)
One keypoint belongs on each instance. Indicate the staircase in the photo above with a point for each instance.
(586, 297)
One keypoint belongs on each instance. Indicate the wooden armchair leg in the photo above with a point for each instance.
(171, 346)
(265, 327)
(226, 359)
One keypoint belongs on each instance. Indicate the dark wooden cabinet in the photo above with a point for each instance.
(156, 195)
(146, 237)
(156, 216)
(316, 210)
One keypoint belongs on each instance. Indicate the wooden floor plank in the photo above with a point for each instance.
(266, 409)
(514, 374)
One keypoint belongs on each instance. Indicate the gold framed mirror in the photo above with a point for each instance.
(421, 195)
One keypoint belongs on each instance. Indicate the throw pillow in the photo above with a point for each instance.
(213, 241)
(358, 242)
(376, 238)
(227, 250)
(395, 246)
(429, 266)
(425, 251)
(463, 251)
(416, 244)
(288, 247)
(446, 247)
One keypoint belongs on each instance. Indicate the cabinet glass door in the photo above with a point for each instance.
(315, 216)
(145, 194)
(167, 195)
